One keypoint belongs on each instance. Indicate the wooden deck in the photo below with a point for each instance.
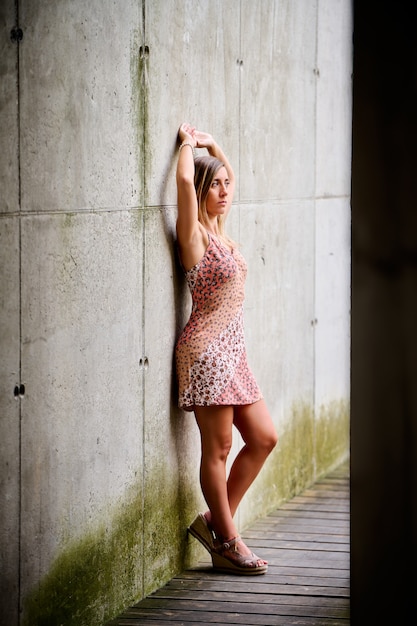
(306, 542)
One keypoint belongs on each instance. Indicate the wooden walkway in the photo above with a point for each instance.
(306, 542)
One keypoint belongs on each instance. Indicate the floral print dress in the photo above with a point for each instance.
(210, 354)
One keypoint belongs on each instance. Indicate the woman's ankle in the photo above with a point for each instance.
(223, 534)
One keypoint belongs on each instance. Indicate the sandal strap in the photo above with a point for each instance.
(227, 545)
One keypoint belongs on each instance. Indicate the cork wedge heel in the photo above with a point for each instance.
(200, 530)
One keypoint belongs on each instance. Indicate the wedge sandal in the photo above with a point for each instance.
(236, 563)
(201, 531)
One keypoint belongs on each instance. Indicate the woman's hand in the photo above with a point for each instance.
(197, 138)
(204, 140)
(186, 132)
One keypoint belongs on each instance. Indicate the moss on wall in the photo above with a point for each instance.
(332, 435)
(93, 578)
(297, 450)
(169, 509)
(136, 551)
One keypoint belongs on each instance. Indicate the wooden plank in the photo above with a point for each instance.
(322, 492)
(334, 578)
(337, 518)
(203, 594)
(262, 618)
(237, 607)
(311, 541)
(289, 536)
(297, 590)
(300, 526)
(215, 617)
(280, 574)
(195, 619)
(294, 588)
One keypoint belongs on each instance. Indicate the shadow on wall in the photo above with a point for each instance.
(180, 422)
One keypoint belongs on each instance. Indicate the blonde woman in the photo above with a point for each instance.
(215, 381)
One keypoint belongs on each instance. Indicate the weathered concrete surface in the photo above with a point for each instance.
(9, 414)
(78, 119)
(9, 173)
(277, 100)
(101, 467)
(332, 231)
(82, 423)
(9, 322)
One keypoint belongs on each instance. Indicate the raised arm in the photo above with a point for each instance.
(192, 236)
(187, 220)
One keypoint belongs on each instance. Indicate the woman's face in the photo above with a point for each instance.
(218, 199)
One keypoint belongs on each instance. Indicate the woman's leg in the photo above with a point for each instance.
(215, 424)
(254, 423)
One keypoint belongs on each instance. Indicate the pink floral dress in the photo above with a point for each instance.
(211, 362)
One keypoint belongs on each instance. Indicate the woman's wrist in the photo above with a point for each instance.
(213, 148)
(185, 143)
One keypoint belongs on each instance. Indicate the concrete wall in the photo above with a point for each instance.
(99, 469)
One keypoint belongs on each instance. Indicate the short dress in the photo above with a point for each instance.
(210, 353)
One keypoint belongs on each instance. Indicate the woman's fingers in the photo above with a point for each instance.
(186, 131)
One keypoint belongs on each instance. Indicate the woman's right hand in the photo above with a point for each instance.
(186, 133)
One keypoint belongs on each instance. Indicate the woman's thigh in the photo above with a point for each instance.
(255, 424)
(215, 425)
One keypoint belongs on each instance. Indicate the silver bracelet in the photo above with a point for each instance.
(187, 143)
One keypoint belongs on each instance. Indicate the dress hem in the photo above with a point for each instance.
(191, 408)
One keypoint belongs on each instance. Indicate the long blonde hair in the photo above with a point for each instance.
(206, 168)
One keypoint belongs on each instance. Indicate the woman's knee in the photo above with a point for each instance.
(256, 426)
(223, 450)
(215, 424)
(263, 439)
(212, 455)
(219, 447)
(271, 440)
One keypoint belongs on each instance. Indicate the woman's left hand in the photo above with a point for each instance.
(204, 140)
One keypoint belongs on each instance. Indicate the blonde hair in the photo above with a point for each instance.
(206, 168)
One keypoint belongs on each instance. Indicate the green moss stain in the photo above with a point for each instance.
(298, 450)
(332, 426)
(93, 579)
(170, 505)
(137, 551)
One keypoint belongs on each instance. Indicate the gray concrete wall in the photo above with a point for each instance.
(99, 469)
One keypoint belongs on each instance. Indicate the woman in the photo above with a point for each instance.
(214, 378)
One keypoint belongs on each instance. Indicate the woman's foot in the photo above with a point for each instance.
(241, 546)
(234, 557)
